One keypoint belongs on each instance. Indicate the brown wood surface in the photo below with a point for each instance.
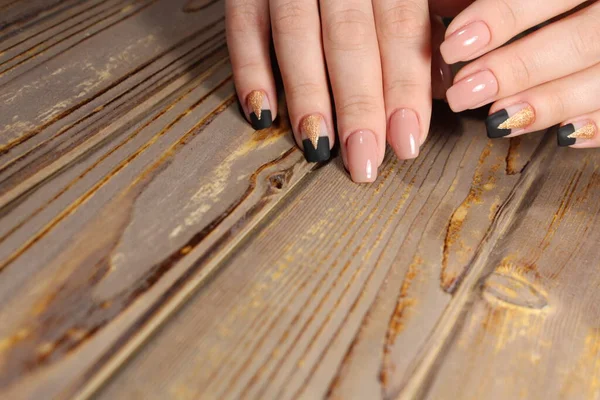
(153, 246)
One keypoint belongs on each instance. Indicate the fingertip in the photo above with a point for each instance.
(405, 134)
(362, 156)
(316, 139)
(259, 110)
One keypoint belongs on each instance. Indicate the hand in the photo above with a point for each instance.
(377, 55)
(548, 77)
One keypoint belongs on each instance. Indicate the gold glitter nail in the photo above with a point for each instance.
(255, 100)
(520, 120)
(586, 132)
(311, 126)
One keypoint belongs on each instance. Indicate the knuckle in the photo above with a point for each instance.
(404, 86)
(246, 16)
(249, 66)
(557, 105)
(348, 29)
(305, 90)
(507, 15)
(586, 38)
(358, 106)
(404, 21)
(521, 71)
(292, 17)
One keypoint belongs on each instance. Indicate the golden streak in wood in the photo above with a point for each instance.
(311, 126)
(255, 101)
(520, 120)
(586, 132)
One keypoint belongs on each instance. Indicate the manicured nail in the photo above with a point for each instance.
(509, 121)
(315, 139)
(474, 90)
(577, 132)
(466, 42)
(361, 153)
(405, 134)
(259, 110)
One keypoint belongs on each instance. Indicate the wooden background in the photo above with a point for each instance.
(153, 246)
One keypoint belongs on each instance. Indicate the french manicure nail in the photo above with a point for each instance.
(577, 132)
(476, 89)
(259, 110)
(315, 139)
(361, 150)
(466, 42)
(405, 134)
(509, 121)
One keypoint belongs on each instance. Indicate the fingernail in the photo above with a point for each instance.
(405, 134)
(474, 90)
(466, 42)
(361, 149)
(577, 132)
(315, 139)
(509, 121)
(259, 110)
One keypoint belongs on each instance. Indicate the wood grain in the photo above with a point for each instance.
(152, 245)
(344, 274)
(535, 311)
(90, 254)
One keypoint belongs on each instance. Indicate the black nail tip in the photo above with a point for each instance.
(265, 121)
(493, 121)
(321, 153)
(563, 135)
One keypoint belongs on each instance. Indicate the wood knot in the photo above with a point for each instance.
(279, 180)
(514, 290)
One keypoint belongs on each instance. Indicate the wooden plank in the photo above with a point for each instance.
(409, 321)
(128, 179)
(532, 331)
(112, 212)
(101, 78)
(309, 306)
(20, 14)
(40, 32)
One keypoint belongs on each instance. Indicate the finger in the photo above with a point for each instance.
(581, 132)
(441, 73)
(546, 105)
(297, 38)
(487, 24)
(248, 41)
(403, 30)
(557, 50)
(353, 61)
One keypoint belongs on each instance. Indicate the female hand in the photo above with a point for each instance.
(548, 77)
(377, 55)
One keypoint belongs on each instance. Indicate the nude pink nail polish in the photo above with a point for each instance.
(474, 90)
(405, 134)
(466, 42)
(361, 153)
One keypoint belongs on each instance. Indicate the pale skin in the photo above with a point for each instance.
(383, 62)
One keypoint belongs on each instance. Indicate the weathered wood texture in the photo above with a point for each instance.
(135, 200)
